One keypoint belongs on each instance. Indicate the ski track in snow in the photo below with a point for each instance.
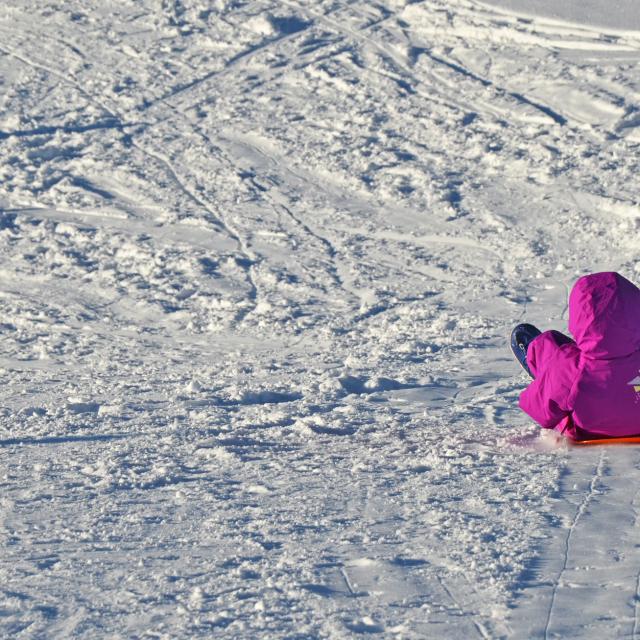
(259, 263)
(579, 512)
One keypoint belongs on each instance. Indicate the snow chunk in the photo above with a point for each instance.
(112, 410)
(258, 488)
(261, 25)
(267, 25)
(83, 407)
(193, 386)
(219, 454)
(196, 599)
(32, 411)
(357, 385)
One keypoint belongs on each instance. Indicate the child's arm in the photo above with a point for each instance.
(553, 359)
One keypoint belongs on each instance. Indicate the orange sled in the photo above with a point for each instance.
(590, 443)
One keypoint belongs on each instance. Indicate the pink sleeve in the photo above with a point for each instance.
(544, 349)
(553, 360)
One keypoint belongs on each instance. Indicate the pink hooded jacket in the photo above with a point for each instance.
(590, 387)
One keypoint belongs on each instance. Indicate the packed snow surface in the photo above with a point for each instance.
(621, 14)
(259, 264)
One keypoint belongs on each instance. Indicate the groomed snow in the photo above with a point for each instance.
(259, 262)
(623, 15)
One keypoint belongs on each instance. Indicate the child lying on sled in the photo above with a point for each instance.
(588, 387)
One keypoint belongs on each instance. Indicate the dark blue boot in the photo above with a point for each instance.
(521, 338)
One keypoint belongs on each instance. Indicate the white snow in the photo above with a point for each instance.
(258, 266)
(622, 15)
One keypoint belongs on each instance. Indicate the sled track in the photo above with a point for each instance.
(567, 545)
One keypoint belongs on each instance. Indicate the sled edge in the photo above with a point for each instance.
(600, 441)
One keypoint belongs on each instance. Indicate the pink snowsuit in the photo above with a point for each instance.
(590, 387)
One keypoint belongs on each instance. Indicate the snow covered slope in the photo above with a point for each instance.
(624, 15)
(259, 261)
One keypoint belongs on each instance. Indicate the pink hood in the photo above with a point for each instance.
(604, 315)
